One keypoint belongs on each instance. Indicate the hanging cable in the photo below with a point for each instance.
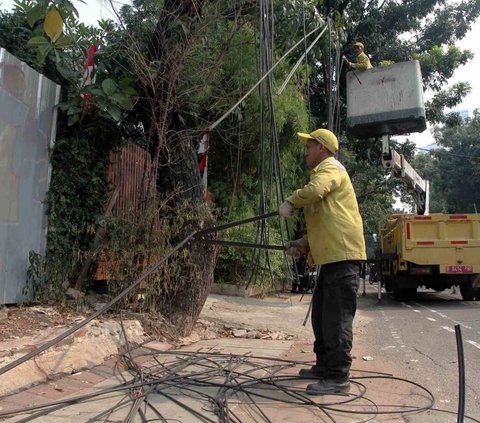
(229, 111)
(299, 61)
(307, 73)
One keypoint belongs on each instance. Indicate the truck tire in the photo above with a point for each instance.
(388, 285)
(404, 287)
(477, 294)
(467, 291)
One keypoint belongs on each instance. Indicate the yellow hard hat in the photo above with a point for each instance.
(323, 136)
(359, 44)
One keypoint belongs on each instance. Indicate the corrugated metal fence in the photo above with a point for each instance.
(27, 131)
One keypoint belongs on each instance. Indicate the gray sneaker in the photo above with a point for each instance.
(328, 386)
(312, 372)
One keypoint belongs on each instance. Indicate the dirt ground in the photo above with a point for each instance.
(16, 322)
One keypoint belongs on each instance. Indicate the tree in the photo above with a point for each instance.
(455, 167)
(425, 30)
(152, 61)
(169, 70)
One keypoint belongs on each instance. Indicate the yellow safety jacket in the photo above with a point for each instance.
(363, 62)
(334, 224)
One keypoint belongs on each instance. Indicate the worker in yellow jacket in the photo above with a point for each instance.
(335, 241)
(363, 62)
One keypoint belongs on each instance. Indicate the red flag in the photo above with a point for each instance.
(203, 166)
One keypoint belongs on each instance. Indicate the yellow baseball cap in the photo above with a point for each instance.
(323, 136)
(359, 44)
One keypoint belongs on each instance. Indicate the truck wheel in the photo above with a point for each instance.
(388, 285)
(477, 294)
(467, 291)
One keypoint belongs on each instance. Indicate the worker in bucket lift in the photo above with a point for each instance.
(335, 241)
(363, 62)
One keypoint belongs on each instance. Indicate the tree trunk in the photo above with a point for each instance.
(194, 269)
(189, 276)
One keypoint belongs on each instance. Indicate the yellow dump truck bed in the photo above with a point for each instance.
(450, 241)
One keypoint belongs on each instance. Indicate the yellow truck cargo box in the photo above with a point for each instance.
(438, 252)
(451, 241)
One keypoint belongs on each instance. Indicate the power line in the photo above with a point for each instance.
(448, 153)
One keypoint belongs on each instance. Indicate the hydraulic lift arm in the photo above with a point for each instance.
(402, 169)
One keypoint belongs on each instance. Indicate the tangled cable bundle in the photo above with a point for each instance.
(217, 387)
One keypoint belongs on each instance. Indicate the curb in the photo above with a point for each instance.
(84, 349)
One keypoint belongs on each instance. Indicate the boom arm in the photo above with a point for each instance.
(402, 169)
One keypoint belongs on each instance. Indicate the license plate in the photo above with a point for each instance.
(459, 269)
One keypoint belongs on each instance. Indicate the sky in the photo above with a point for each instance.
(93, 10)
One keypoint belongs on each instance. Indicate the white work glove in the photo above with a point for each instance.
(297, 248)
(286, 209)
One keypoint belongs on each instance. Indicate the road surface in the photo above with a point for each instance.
(416, 339)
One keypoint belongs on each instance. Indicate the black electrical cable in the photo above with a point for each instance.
(106, 391)
(84, 322)
(416, 409)
(106, 413)
(229, 225)
(186, 407)
(238, 379)
(448, 153)
(132, 286)
(461, 375)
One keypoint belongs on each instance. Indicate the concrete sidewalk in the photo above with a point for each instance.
(85, 348)
(110, 375)
(223, 379)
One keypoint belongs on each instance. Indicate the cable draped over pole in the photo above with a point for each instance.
(264, 76)
(273, 170)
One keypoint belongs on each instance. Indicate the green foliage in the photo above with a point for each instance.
(14, 37)
(385, 63)
(449, 98)
(35, 284)
(128, 249)
(220, 64)
(76, 199)
(454, 169)
(439, 65)
(55, 57)
(219, 69)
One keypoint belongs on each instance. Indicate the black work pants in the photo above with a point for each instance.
(334, 304)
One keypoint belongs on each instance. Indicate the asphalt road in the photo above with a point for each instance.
(416, 340)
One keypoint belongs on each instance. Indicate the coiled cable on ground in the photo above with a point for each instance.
(233, 388)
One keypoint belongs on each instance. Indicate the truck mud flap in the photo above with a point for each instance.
(476, 281)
